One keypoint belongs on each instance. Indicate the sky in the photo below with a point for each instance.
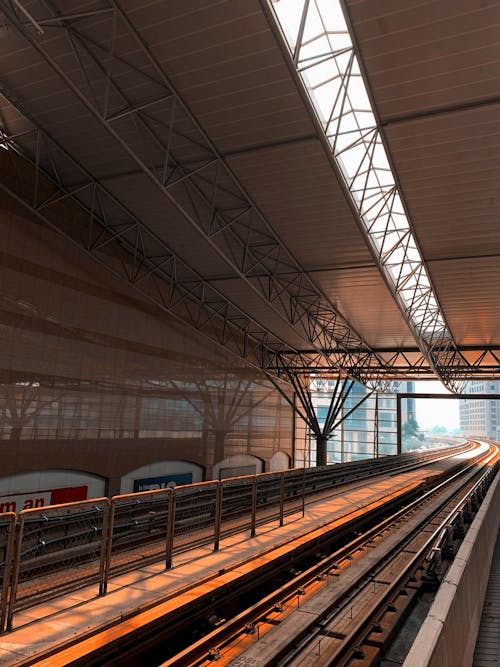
(436, 412)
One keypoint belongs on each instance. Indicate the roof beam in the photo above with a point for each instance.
(209, 197)
(440, 111)
(270, 145)
(105, 230)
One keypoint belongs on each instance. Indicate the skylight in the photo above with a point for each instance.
(322, 50)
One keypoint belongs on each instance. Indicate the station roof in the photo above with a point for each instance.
(187, 142)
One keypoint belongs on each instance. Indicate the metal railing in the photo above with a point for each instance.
(58, 549)
(7, 536)
(197, 516)
(139, 531)
(48, 551)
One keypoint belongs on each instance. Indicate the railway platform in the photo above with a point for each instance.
(61, 630)
(70, 619)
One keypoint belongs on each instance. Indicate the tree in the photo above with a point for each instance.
(411, 428)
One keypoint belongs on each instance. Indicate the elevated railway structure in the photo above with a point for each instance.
(356, 532)
(209, 207)
(52, 550)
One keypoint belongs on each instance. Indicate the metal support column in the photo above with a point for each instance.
(321, 447)
(398, 424)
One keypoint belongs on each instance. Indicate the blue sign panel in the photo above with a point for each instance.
(164, 482)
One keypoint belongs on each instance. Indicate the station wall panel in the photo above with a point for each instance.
(94, 377)
(280, 461)
(236, 466)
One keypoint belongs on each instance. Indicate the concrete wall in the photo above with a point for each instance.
(448, 635)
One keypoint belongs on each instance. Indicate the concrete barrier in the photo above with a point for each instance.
(448, 635)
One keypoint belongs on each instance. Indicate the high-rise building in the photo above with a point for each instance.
(480, 416)
(408, 406)
(365, 431)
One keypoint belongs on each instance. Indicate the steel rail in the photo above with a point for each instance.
(457, 515)
(351, 644)
(334, 534)
(197, 653)
(343, 655)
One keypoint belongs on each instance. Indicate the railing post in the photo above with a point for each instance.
(282, 497)
(169, 546)
(7, 568)
(218, 516)
(303, 492)
(107, 535)
(254, 507)
(109, 546)
(15, 570)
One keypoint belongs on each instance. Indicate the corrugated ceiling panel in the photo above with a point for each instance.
(295, 187)
(469, 291)
(448, 168)
(228, 67)
(364, 300)
(427, 55)
(225, 60)
(432, 67)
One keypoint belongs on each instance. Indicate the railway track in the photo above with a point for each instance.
(346, 608)
(248, 609)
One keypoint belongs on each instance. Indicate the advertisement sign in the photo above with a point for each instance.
(164, 482)
(24, 501)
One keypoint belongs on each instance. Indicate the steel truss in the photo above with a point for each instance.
(321, 52)
(165, 142)
(116, 239)
(472, 362)
(127, 92)
(92, 218)
(401, 364)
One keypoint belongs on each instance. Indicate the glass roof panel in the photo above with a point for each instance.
(320, 42)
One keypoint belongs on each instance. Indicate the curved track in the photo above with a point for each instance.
(259, 595)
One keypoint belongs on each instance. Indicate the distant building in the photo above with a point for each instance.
(480, 416)
(408, 406)
(368, 431)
